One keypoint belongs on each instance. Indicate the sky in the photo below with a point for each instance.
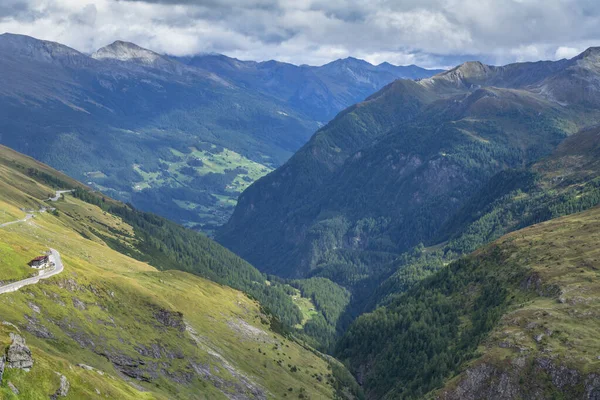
(429, 33)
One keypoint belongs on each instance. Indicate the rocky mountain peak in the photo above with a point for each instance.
(589, 59)
(126, 51)
(470, 70)
(468, 74)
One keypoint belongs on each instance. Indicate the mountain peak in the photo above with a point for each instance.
(590, 51)
(127, 51)
(39, 50)
(589, 59)
(468, 73)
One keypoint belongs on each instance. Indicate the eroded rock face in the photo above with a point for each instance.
(18, 354)
(171, 319)
(35, 327)
(523, 378)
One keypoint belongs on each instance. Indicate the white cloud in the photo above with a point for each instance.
(427, 32)
(566, 52)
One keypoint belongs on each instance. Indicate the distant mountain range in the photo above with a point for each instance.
(389, 172)
(320, 92)
(180, 137)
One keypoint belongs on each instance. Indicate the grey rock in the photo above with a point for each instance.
(35, 327)
(18, 354)
(78, 304)
(172, 319)
(2, 365)
(592, 387)
(34, 307)
(538, 338)
(63, 389)
(13, 388)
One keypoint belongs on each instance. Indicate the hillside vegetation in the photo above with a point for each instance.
(117, 327)
(177, 137)
(516, 319)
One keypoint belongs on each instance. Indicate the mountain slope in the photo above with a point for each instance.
(169, 136)
(512, 320)
(386, 175)
(116, 327)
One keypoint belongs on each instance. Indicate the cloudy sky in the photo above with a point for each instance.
(430, 33)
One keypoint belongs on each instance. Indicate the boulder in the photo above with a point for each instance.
(63, 389)
(18, 354)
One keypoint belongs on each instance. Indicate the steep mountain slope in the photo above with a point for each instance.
(170, 137)
(563, 183)
(112, 326)
(388, 173)
(517, 273)
(320, 92)
(148, 130)
(515, 319)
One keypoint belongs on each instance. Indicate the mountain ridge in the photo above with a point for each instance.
(384, 189)
(170, 137)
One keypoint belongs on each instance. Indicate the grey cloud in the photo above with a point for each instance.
(427, 32)
(87, 16)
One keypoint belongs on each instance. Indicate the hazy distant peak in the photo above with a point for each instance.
(126, 51)
(39, 50)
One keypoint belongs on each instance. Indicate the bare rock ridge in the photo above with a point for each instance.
(125, 51)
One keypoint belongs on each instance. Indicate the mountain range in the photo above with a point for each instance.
(179, 137)
(436, 240)
(386, 198)
(388, 173)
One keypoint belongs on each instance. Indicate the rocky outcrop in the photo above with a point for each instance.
(78, 304)
(63, 389)
(171, 319)
(18, 354)
(135, 368)
(523, 378)
(2, 365)
(35, 327)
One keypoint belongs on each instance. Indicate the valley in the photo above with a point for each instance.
(185, 224)
(128, 121)
(119, 328)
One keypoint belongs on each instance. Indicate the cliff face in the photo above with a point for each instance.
(523, 378)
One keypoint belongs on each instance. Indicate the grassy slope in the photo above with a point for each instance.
(121, 297)
(559, 323)
(516, 319)
(240, 172)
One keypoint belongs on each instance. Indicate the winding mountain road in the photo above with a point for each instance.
(54, 257)
(27, 218)
(44, 274)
